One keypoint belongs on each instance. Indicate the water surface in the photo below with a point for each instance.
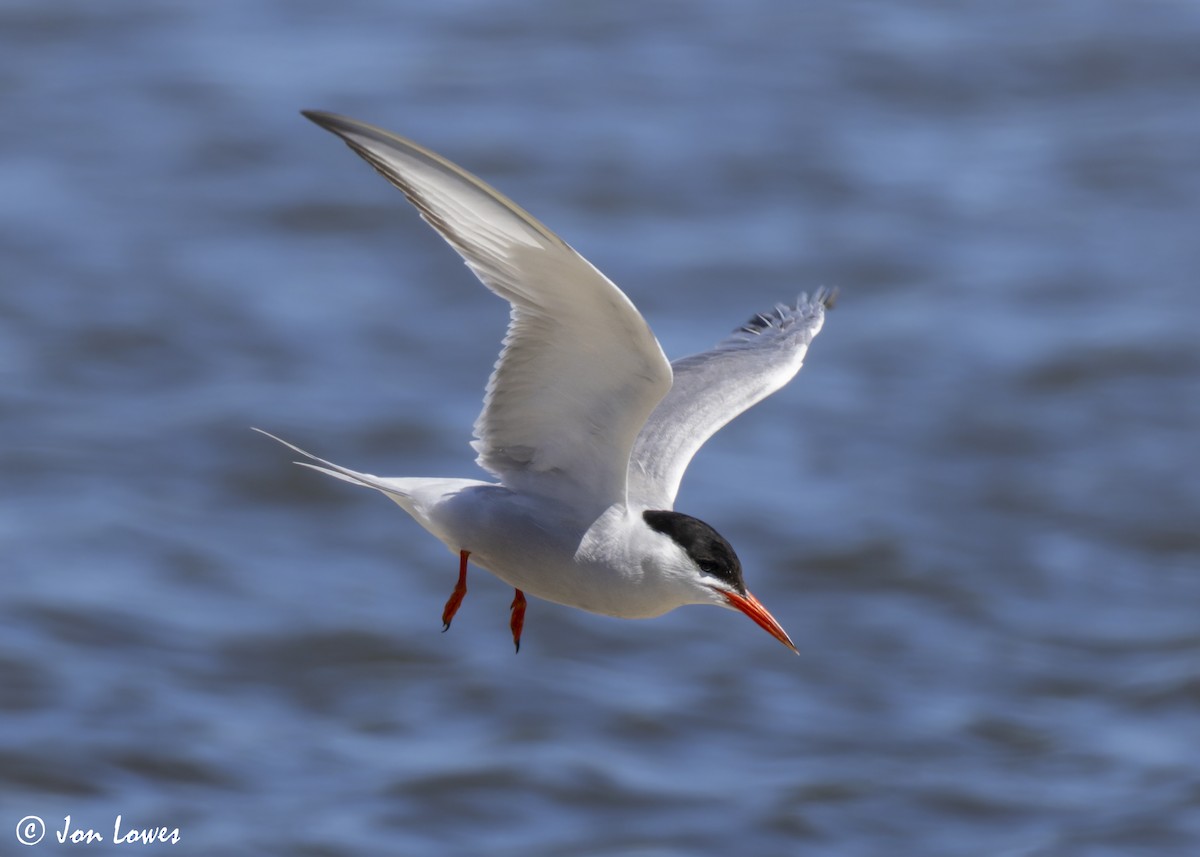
(975, 510)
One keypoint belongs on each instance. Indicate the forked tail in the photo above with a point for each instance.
(367, 480)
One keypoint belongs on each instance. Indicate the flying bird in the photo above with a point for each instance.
(586, 427)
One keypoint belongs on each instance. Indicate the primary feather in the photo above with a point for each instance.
(711, 388)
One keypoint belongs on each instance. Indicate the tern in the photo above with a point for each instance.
(586, 427)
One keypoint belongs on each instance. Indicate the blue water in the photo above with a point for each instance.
(976, 510)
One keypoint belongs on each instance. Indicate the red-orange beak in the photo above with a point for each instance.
(753, 608)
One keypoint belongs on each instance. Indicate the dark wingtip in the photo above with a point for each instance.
(827, 298)
(329, 121)
(783, 315)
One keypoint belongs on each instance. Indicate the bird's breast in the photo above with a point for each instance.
(541, 550)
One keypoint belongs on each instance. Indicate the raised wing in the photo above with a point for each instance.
(580, 370)
(712, 388)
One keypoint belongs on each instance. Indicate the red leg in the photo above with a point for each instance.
(517, 622)
(460, 591)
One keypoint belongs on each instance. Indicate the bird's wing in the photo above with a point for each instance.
(580, 370)
(712, 388)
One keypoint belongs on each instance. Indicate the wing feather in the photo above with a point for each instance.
(580, 370)
(713, 387)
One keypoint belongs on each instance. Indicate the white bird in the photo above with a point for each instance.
(585, 426)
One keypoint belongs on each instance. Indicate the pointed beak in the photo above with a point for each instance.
(753, 608)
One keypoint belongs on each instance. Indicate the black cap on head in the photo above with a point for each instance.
(707, 548)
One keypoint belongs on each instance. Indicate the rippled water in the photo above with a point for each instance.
(976, 510)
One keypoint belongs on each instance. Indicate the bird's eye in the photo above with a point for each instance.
(708, 566)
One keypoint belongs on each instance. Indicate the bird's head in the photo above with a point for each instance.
(707, 563)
